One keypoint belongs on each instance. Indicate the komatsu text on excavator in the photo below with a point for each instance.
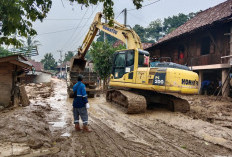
(134, 83)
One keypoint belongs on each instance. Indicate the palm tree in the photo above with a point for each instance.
(30, 45)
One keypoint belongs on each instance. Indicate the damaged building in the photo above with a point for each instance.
(11, 91)
(37, 74)
(204, 43)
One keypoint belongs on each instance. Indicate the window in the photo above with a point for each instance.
(205, 46)
(119, 65)
(120, 60)
(143, 60)
(130, 58)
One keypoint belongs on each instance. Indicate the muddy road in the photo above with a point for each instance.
(45, 128)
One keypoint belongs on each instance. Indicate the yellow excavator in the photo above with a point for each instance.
(134, 83)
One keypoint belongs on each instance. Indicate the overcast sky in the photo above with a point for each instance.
(64, 30)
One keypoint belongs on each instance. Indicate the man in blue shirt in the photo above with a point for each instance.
(79, 105)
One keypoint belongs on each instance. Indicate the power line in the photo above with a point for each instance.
(75, 28)
(62, 3)
(137, 17)
(85, 24)
(145, 5)
(64, 30)
(64, 19)
(119, 14)
(84, 33)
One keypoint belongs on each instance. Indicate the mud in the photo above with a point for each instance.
(45, 128)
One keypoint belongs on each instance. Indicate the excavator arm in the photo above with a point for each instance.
(119, 31)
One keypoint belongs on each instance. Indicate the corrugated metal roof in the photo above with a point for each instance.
(16, 59)
(203, 19)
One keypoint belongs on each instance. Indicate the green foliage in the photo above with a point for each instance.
(4, 52)
(171, 23)
(142, 32)
(102, 54)
(49, 62)
(109, 38)
(107, 6)
(68, 56)
(88, 57)
(17, 17)
(155, 30)
(30, 44)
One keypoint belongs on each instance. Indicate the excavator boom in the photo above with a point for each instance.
(119, 31)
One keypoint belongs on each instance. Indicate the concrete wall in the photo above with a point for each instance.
(5, 83)
(42, 77)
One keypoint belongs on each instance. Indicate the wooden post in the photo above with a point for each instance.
(230, 41)
(200, 81)
(225, 89)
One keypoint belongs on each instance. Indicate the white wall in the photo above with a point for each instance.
(42, 77)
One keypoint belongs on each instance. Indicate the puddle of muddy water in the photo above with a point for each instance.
(58, 124)
(66, 134)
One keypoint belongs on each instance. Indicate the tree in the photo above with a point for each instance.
(88, 57)
(155, 30)
(30, 44)
(68, 56)
(49, 62)
(4, 52)
(109, 38)
(107, 6)
(17, 16)
(171, 23)
(102, 55)
(142, 33)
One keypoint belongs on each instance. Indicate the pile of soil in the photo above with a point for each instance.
(208, 109)
(26, 129)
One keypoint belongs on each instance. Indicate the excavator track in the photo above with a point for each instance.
(170, 101)
(180, 105)
(134, 103)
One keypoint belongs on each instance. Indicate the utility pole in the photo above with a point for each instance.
(104, 32)
(60, 62)
(1, 27)
(125, 16)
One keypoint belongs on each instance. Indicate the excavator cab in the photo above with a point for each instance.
(127, 61)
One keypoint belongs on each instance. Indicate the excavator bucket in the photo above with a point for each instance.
(77, 64)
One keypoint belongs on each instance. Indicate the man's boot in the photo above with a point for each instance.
(86, 129)
(77, 127)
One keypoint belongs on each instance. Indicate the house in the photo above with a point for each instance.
(62, 69)
(204, 43)
(37, 74)
(11, 69)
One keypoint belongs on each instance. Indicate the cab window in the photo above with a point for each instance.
(143, 60)
(119, 65)
(120, 60)
(130, 58)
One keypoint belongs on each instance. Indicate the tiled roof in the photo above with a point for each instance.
(37, 65)
(145, 45)
(64, 65)
(205, 18)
